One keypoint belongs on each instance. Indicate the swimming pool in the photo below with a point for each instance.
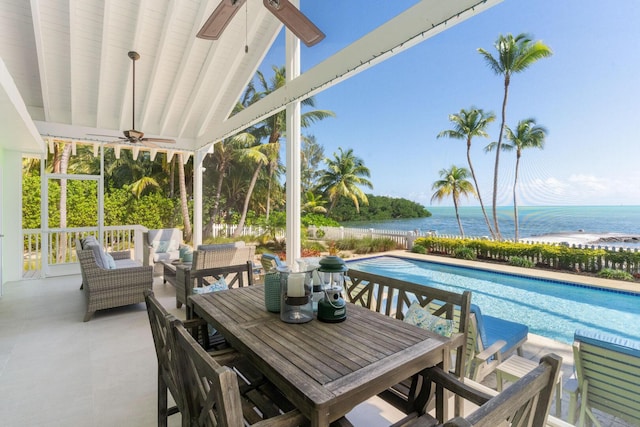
(551, 309)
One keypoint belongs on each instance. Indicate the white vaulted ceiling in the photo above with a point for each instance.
(68, 61)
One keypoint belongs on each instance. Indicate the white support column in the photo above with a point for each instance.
(198, 158)
(293, 154)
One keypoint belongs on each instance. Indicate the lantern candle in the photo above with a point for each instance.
(295, 285)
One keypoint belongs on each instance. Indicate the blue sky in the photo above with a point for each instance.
(587, 95)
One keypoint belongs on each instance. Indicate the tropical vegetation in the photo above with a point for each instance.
(514, 55)
(242, 183)
(557, 257)
(453, 183)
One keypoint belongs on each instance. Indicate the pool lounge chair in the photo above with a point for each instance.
(491, 340)
(608, 374)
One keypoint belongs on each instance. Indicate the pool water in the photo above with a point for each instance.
(550, 308)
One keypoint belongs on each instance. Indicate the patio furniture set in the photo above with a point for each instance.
(290, 376)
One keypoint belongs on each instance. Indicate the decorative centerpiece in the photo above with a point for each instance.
(332, 308)
(295, 301)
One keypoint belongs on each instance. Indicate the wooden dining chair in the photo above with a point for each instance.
(160, 322)
(525, 403)
(211, 393)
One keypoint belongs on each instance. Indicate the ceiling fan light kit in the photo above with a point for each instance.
(286, 12)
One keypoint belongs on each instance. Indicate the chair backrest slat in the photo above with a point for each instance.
(393, 297)
(525, 403)
(159, 320)
(210, 391)
(608, 374)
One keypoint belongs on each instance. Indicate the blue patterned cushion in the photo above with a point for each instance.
(421, 317)
(220, 285)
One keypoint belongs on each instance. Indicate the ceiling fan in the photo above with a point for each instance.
(132, 135)
(286, 12)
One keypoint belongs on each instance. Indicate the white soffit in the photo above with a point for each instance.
(17, 130)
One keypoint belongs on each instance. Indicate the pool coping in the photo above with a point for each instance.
(619, 286)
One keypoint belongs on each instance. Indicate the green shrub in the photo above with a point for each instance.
(366, 245)
(609, 273)
(419, 249)
(517, 261)
(464, 252)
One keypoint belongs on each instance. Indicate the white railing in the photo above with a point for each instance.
(227, 230)
(61, 248)
(403, 239)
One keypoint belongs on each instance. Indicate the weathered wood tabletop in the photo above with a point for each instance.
(325, 369)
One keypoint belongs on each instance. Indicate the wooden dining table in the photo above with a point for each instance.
(324, 369)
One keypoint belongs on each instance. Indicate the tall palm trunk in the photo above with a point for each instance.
(515, 202)
(172, 177)
(184, 206)
(475, 182)
(497, 165)
(245, 207)
(208, 229)
(268, 208)
(455, 205)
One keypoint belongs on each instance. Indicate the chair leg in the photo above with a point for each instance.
(88, 316)
(572, 389)
(162, 401)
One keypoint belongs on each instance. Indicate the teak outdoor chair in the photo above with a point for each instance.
(490, 340)
(608, 373)
(212, 396)
(160, 321)
(525, 403)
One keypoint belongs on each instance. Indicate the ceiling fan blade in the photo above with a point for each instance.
(295, 21)
(219, 19)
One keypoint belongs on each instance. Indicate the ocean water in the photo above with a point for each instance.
(533, 220)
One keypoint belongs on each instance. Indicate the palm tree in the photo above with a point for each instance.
(256, 156)
(515, 54)
(313, 203)
(312, 155)
(221, 161)
(273, 128)
(184, 206)
(453, 183)
(466, 125)
(344, 173)
(527, 135)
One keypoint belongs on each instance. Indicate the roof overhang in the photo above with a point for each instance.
(69, 66)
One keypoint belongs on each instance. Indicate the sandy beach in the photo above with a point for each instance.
(585, 238)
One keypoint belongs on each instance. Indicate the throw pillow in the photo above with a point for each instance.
(98, 254)
(185, 253)
(111, 263)
(421, 317)
(219, 285)
(163, 246)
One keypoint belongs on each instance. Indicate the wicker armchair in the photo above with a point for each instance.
(108, 288)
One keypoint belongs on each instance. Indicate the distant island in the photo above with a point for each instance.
(379, 208)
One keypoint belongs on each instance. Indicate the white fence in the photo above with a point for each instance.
(61, 242)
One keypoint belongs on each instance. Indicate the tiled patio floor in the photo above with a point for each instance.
(56, 370)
